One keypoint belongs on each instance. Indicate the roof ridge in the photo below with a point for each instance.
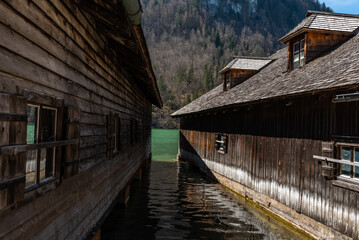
(310, 12)
(310, 22)
(252, 57)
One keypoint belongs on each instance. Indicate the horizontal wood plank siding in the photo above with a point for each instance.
(53, 48)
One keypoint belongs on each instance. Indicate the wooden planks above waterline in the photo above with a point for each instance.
(270, 151)
(89, 58)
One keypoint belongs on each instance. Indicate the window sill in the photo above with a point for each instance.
(115, 153)
(348, 183)
(37, 190)
(39, 186)
(221, 152)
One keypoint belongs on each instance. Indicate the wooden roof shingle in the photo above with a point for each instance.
(323, 21)
(246, 63)
(338, 68)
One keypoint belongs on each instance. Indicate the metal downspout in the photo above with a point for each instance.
(134, 11)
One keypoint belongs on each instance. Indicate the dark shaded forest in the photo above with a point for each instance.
(190, 41)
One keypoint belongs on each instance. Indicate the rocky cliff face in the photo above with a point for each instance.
(191, 40)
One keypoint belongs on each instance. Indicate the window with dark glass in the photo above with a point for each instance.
(41, 128)
(298, 54)
(116, 134)
(350, 155)
(221, 143)
(227, 81)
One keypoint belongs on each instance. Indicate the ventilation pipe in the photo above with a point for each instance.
(134, 11)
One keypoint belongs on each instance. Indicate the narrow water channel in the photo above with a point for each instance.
(175, 201)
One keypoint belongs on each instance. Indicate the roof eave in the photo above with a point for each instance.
(145, 54)
(285, 39)
(224, 70)
(234, 105)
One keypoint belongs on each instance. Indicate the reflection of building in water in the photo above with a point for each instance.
(76, 94)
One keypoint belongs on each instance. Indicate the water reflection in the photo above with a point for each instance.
(175, 201)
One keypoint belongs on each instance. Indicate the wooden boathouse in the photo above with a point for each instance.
(284, 130)
(76, 96)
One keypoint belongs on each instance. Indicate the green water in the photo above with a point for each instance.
(164, 144)
(174, 200)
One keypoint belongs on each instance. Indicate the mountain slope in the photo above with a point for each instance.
(191, 40)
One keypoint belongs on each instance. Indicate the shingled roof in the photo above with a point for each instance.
(323, 21)
(338, 68)
(246, 63)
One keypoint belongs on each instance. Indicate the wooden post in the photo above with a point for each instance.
(97, 236)
(125, 195)
(138, 174)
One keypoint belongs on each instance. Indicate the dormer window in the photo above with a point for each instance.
(227, 81)
(298, 54)
(240, 69)
(317, 34)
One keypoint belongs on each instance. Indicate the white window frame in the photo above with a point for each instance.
(352, 160)
(300, 52)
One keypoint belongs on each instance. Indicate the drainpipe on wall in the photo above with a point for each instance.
(134, 11)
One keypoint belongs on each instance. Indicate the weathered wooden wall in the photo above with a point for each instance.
(239, 76)
(52, 47)
(318, 43)
(271, 148)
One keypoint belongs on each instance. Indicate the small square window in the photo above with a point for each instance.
(221, 143)
(351, 155)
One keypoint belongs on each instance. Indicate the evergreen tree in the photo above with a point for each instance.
(208, 77)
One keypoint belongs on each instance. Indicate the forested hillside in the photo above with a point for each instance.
(191, 40)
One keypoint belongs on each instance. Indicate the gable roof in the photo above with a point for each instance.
(246, 63)
(324, 21)
(337, 69)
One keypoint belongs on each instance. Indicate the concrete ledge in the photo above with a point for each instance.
(315, 229)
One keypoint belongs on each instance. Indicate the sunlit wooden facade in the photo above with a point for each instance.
(288, 137)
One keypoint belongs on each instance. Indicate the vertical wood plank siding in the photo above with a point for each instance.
(52, 47)
(271, 148)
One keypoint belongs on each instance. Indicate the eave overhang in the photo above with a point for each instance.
(305, 30)
(126, 39)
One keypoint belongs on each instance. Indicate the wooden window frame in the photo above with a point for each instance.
(113, 135)
(352, 148)
(19, 150)
(38, 182)
(44, 101)
(300, 52)
(348, 182)
(116, 134)
(227, 80)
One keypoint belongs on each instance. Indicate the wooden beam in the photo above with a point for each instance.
(125, 40)
(11, 182)
(13, 117)
(146, 56)
(326, 159)
(29, 147)
(116, 19)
